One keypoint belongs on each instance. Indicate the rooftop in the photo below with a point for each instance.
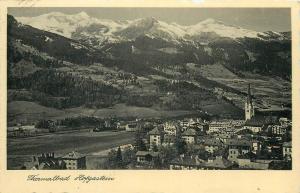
(189, 132)
(213, 142)
(73, 155)
(287, 144)
(238, 142)
(258, 121)
(187, 161)
(220, 163)
(248, 155)
(155, 131)
(144, 153)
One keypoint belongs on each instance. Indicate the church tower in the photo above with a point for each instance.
(249, 108)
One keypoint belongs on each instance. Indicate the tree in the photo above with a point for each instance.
(191, 150)
(167, 154)
(139, 143)
(109, 163)
(157, 163)
(119, 158)
(181, 146)
(114, 160)
(128, 156)
(155, 148)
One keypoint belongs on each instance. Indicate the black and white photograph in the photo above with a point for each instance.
(108, 88)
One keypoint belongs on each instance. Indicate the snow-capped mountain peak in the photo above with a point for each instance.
(57, 22)
(83, 26)
(83, 14)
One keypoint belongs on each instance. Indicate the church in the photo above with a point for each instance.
(249, 108)
(255, 122)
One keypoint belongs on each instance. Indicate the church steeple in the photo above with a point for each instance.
(249, 109)
(249, 97)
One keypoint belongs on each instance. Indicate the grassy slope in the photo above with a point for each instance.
(31, 111)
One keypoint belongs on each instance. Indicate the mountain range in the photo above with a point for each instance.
(81, 25)
(85, 64)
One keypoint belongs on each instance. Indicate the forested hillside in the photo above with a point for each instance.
(146, 72)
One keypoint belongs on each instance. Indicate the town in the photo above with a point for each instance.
(259, 142)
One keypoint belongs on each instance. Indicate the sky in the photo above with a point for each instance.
(259, 19)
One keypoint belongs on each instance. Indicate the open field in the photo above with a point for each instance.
(31, 111)
(21, 149)
(122, 110)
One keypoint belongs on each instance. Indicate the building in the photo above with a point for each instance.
(287, 150)
(185, 163)
(170, 128)
(169, 140)
(146, 157)
(189, 136)
(74, 161)
(256, 146)
(121, 125)
(285, 121)
(13, 131)
(131, 127)
(249, 108)
(249, 161)
(156, 137)
(188, 122)
(212, 145)
(260, 123)
(217, 163)
(277, 129)
(237, 147)
(194, 163)
(223, 137)
(254, 125)
(46, 161)
(22, 131)
(218, 126)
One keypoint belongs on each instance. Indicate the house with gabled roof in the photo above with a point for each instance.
(185, 163)
(46, 161)
(217, 163)
(146, 157)
(74, 160)
(194, 163)
(156, 137)
(237, 147)
(259, 123)
(287, 150)
(212, 145)
(189, 136)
